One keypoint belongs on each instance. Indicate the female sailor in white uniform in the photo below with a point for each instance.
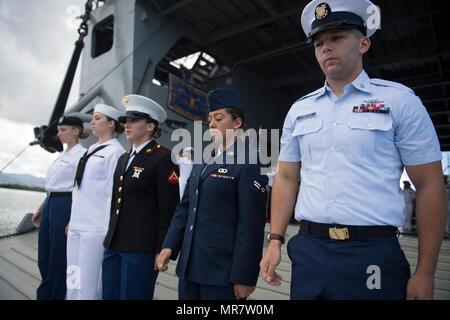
(54, 213)
(91, 202)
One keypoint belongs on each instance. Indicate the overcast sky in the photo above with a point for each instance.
(36, 43)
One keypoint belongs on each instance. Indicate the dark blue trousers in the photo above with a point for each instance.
(52, 260)
(188, 290)
(363, 269)
(128, 275)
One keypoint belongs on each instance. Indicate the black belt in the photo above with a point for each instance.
(340, 232)
(58, 194)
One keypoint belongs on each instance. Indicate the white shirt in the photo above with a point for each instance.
(409, 195)
(185, 165)
(352, 160)
(271, 176)
(91, 203)
(61, 173)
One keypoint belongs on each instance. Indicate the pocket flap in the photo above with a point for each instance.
(367, 121)
(307, 122)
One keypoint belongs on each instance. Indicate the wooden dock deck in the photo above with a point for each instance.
(19, 273)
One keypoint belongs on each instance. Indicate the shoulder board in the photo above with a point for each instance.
(150, 151)
(310, 95)
(126, 152)
(158, 147)
(392, 84)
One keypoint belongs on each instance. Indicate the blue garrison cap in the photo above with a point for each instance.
(224, 98)
(321, 15)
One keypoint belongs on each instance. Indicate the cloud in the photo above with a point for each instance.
(36, 44)
(14, 138)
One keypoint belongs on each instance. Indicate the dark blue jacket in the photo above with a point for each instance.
(218, 228)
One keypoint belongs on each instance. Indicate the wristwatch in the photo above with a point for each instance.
(275, 236)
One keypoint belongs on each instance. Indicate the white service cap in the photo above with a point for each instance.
(320, 15)
(137, 106)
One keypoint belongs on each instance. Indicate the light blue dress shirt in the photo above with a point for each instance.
(352, 161)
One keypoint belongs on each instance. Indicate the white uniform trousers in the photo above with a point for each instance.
(84, 264)
(409, 208)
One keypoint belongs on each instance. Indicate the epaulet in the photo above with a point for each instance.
(392, 84)
(150, 151)
(310, 95)
(156, 147)
(126, 152)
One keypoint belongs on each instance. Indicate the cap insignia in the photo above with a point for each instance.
(126, 99)
(322, 10)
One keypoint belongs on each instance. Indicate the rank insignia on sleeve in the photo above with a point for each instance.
(258, 186)
(173, 178)
(137, 172)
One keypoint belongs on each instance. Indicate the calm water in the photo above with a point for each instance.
(14, 204)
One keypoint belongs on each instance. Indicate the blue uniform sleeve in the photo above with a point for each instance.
(416, 137)
(175, 233)
(249, 240)
(289, 145)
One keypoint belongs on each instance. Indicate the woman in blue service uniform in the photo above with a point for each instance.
(218, 228)
(145, 194)
(54, 213)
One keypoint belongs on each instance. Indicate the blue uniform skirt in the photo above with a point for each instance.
(52, 239)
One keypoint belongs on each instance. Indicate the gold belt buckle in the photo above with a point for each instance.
(338, 233)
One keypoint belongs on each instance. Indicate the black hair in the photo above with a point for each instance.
(235, 113)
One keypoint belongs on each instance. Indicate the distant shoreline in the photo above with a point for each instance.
(20, 187)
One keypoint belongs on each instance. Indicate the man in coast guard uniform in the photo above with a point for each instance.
(350, 141)
(145, 194)
(218, 228)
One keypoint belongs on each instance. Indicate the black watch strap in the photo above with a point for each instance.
(275, 236)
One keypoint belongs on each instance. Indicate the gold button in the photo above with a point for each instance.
(120, 189)
(121, 178)
(117, 212)
(118, 200)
